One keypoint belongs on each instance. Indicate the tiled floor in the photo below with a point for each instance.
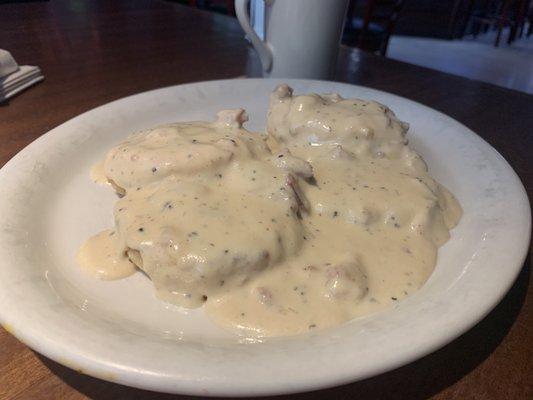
(508, 66)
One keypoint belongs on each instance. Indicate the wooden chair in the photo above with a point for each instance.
(524, 13)
(498, 14)
(372, 30)
(529, 18)
(230, 4)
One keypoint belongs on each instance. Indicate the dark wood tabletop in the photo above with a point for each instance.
(95, 52)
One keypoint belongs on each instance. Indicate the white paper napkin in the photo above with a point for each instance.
(15, 78)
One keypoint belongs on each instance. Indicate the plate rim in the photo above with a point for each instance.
(190, 387)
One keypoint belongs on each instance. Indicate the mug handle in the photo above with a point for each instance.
(265, 54)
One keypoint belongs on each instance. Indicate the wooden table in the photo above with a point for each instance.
(95, 52)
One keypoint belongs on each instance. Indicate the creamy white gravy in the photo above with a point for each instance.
(327, 217)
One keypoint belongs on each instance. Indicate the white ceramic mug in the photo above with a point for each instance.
(301, 36)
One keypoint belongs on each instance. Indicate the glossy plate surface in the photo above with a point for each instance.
(118, 331)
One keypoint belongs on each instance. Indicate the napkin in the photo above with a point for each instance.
(15, 78)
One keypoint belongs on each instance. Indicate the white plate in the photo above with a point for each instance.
(118, 331)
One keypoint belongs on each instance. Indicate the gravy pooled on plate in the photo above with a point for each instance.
(328, 216)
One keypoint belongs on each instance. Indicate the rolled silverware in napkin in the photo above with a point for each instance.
(15, 78)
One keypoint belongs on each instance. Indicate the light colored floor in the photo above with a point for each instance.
(508, 66)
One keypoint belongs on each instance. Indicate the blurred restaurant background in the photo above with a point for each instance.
(485, 40)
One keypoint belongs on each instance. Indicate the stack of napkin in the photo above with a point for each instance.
(15, 78)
